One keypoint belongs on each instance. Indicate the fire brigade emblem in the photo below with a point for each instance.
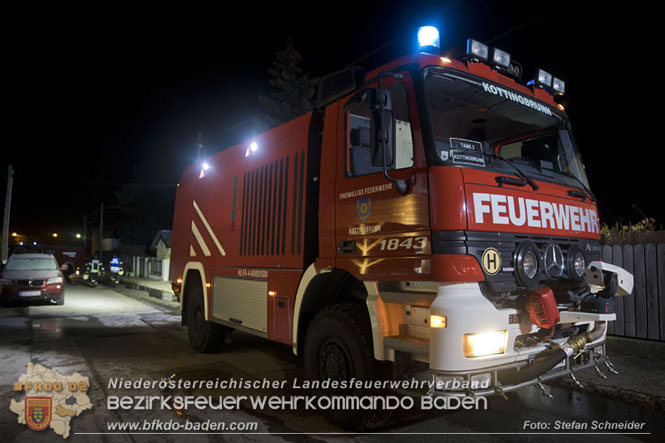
(491, 261)
(363, 208)
(38, 412)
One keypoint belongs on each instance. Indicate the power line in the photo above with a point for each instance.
(522, 25)
(236, 126)
(256, 116)
(105, 183)
(95, 182)
(400, 36)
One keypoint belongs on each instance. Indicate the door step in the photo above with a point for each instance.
(407, 343)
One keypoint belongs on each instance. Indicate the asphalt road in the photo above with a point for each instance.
(112, 334)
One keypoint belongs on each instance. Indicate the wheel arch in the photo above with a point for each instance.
(318, 290)
(193, 274)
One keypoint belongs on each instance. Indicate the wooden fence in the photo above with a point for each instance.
(642, 314)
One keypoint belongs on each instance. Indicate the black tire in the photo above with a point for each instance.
(339, 345)
(204, 336)
(61, 300)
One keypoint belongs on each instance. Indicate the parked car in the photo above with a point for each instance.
(32, 277)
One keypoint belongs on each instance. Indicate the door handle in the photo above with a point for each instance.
(346, 247)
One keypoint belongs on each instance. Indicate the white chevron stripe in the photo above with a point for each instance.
(199, 240)
(192, 252)
(208, 228)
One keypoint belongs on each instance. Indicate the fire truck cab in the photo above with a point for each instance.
(431, 210)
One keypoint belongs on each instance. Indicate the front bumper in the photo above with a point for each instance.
(461, 383)
(468, 312)
(14, 294)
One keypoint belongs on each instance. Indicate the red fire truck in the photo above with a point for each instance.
(431, 210)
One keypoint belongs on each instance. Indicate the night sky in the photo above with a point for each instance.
(91, 91)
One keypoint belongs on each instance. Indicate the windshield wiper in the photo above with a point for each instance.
(572, 192)
(530, 182)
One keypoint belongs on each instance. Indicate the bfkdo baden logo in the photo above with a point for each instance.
(38, 412)
(51, 400)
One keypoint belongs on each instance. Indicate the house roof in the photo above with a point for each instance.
(165, 235)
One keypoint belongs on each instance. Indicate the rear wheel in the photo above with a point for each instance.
(339, 345)
(204, 336)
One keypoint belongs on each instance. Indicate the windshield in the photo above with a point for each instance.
(31, 264)
(479, 124)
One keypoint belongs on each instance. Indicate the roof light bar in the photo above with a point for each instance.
(477, 51)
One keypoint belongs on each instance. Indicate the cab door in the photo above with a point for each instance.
(379, 232)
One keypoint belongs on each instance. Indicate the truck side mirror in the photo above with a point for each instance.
(383, 133)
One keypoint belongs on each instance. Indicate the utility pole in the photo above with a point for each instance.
(8, 205)
(85, 235)
(101, 231)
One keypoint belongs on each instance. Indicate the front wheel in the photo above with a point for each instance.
(204, 336)
(339, 345)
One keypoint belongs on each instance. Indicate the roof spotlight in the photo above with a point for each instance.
(253, 146)
(558, 85)
(544, 78)
(428, 39)
(501, 58)
(477, 51)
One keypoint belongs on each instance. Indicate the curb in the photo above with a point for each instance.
(634, 351)
(158, 293)
(651, 401)
(635, 347)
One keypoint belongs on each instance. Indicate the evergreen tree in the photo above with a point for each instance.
(293, 90)
(145, 205)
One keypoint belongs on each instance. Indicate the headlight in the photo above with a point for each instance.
(530, 264)
(527, 264)
(579, 264)
(54, 281)
(485, 343)
(576, 263)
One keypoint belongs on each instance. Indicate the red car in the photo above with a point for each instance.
(32, 277)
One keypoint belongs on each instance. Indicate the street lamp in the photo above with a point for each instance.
(55, 235)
